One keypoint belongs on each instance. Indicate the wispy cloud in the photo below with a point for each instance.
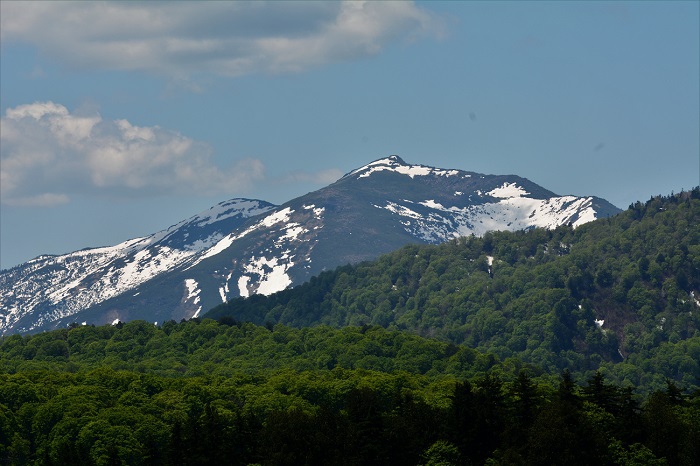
(183, 39)
(322, 177)
(49, 154)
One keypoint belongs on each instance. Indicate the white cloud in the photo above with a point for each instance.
(182, 39)
(322, 177)
(48, 154)
(40, 200)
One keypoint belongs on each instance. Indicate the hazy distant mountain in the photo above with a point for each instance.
(242, 247)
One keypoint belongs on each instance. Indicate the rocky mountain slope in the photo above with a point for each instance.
(244, 247)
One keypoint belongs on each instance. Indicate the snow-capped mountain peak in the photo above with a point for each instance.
(243, 247)
(396, 164)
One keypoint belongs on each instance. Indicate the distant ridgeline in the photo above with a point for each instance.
(620, 295)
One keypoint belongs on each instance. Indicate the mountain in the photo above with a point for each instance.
(245, 247)
(49, 287)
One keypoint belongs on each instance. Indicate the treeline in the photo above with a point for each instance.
(204, 392)
(620, 295)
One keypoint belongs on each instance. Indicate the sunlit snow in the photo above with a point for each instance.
(277, 217)
(392, 164)
(193, 294)
(243, 286)
(401, 210)
(192, 288)
(227, 241)
(512, 213)
(219, 247)
(508, 190)
(272, 273)
(293, 232)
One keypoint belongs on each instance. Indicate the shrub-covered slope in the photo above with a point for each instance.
(621, 294)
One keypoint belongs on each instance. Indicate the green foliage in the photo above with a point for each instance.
(538, 295)
(203, 392)
(442, 453)
(482, 389)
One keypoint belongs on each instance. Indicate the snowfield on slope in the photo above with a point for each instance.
(442, 223)
(68, 283)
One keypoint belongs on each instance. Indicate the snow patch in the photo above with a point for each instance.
(205, 243)
(585, 216)
(277, 217)
(193, 294)
(400, 210)
(272, 273)
(512, 213)
(293, 231)
(223, 289)
(508, 190)
(393, 164)
(192, 287)
(432, 204)
(243, 286)
(227, 241)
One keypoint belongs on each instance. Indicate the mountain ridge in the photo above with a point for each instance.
(262, 248)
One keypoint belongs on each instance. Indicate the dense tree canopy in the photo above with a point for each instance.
(572, 346)
(205, 392)
(619, 295)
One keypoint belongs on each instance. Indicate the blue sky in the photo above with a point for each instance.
(120, 119)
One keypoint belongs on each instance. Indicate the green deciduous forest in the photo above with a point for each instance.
(572, 346)
(207, 392)
(619, 295)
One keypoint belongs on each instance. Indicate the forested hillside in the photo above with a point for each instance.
(620, 295)
(204, 392)
(572, 346)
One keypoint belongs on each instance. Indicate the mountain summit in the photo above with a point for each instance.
(243, 247)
